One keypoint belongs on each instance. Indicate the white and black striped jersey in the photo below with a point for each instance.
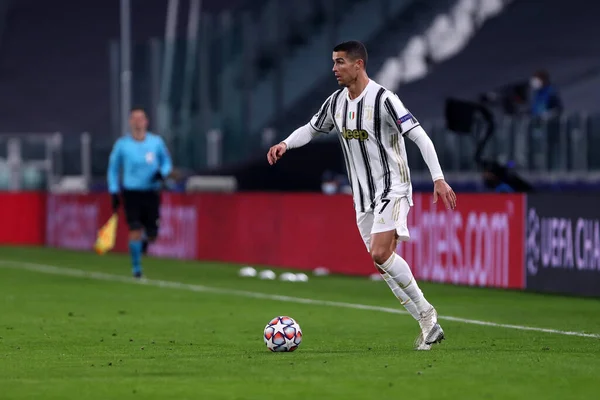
(371, 129)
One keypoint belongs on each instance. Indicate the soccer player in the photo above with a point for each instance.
(372, 123)
(144, 161)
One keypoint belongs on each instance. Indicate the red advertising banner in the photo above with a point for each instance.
(292, 230)
(23, 217)
(178, 228)
(481, 243)
(73, 222)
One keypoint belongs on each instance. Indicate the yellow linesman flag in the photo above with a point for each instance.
(107, 235)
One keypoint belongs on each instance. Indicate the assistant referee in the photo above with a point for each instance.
(143, 160)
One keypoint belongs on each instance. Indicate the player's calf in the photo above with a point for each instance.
(397, 268)
(135, 234)
(399, 293)
(135, 251)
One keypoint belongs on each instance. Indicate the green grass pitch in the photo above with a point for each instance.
(68, 336)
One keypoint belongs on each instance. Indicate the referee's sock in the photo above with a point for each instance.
(135, 250)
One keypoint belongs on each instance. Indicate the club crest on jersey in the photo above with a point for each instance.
(149, 157)
(358, 134)
(368, 113)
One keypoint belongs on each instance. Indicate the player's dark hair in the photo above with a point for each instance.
(137, 108)
(354, 49)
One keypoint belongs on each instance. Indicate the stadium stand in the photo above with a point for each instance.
(510, 47)
(81, 83)
(263, 69)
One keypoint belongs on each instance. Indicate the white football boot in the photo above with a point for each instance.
(431, 331)
(420, 344)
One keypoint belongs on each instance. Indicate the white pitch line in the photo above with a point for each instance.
(101, 276)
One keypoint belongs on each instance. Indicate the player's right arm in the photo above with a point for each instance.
(112, 175)
(320, 123)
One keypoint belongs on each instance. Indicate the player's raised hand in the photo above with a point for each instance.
(276, 152)
(443, 190)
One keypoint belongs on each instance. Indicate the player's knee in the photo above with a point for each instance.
(394, 245)
(380, 254)
(135, 235)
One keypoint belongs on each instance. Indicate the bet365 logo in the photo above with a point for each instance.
(358, 134)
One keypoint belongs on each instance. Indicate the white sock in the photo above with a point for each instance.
(400, 295)
(398, 269)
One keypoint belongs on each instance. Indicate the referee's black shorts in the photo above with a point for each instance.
(142, 210)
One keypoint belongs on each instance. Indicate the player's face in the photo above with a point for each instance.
(345, 70)
(138, 121)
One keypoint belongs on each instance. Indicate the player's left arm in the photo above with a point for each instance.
(165, 164)
(408, 126)
(114, 166)
(112, 174)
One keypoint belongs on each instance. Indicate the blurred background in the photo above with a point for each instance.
(509, 99)
(509, 92)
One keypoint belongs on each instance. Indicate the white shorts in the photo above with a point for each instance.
(388, 215)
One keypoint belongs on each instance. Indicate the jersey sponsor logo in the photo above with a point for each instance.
(359, 134)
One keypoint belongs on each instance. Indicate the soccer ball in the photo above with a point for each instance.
(282, 334)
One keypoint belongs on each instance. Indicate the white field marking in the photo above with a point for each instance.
(101, 276)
